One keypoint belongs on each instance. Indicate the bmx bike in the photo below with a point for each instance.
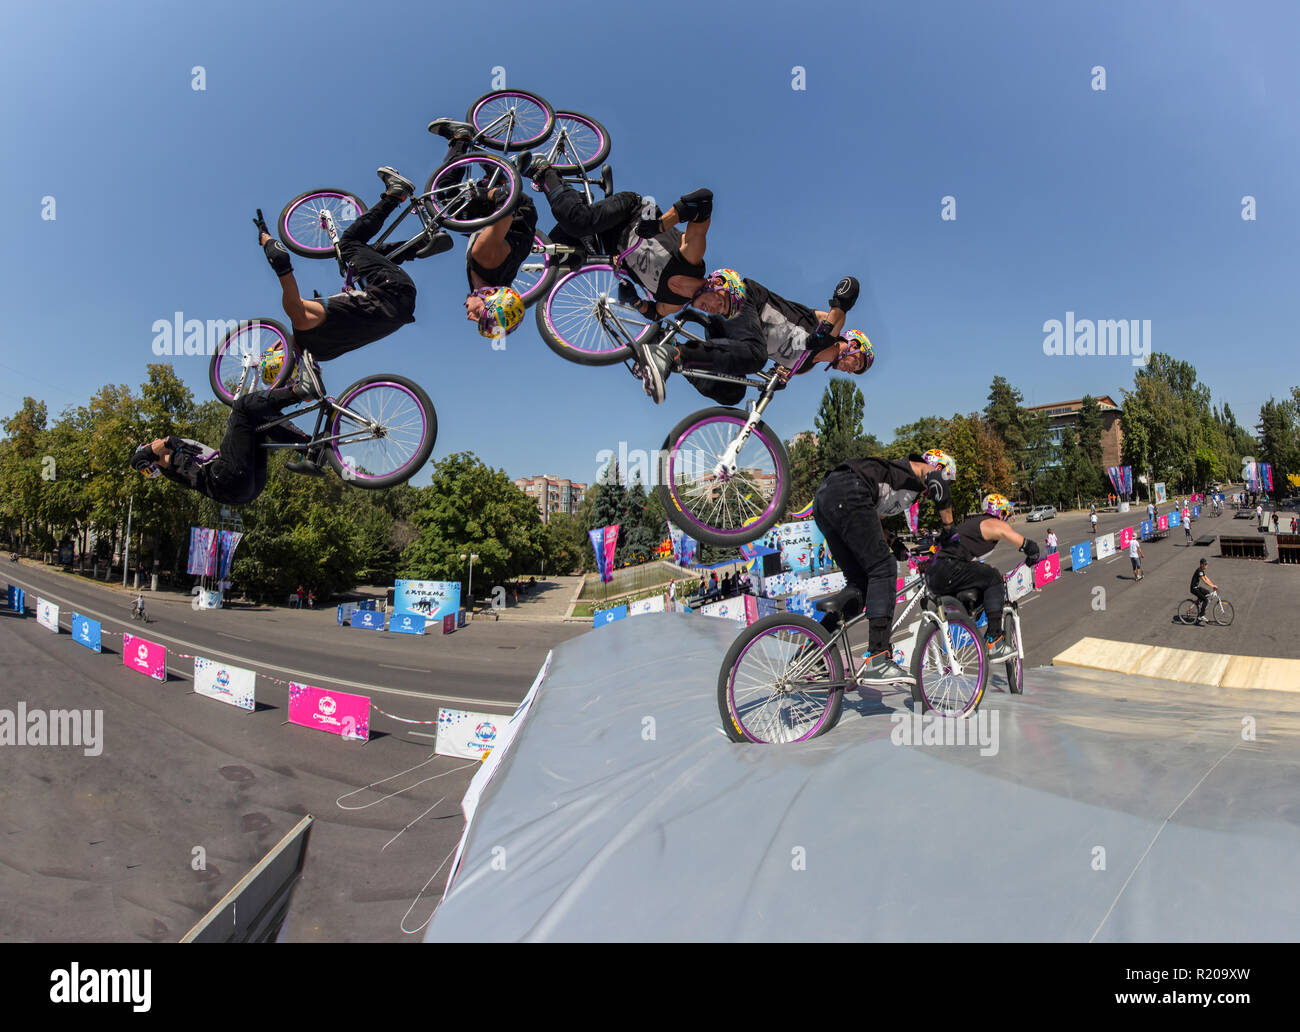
(783, 680)
(1216, 609)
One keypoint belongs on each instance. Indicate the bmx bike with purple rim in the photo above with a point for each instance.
(783, 680)
(378, 433)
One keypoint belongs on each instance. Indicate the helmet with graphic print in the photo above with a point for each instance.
(503, 311)
(996, 505)
(730, 283)
(941, 460)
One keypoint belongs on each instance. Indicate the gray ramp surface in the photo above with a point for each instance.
(1114, 809)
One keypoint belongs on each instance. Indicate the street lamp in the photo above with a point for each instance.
(471, 557)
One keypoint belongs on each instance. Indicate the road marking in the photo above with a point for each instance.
(235, 636)
(413, 669)
(299, 675)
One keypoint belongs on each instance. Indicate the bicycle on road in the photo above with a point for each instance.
(783, 680)
(138, 612)
(1216, 609)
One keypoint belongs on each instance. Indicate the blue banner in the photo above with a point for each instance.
(608, 616)
(1196, 512)
(368, 604)
(1175, 518)
(406, 623)
(86, 632)
(1080, 555)
(345, 611)
(11, 597)
(368, 620)
(432, 600)
(1146, 530)
(20, 603)
(767, 607)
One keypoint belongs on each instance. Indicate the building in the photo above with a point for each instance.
(552, 494)
(1063, 414)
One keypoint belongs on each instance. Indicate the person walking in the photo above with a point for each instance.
(1274, 523)
(1259, 515)
(1187, 531)
(1051, 542)
(1135, 556)
(1093, 521)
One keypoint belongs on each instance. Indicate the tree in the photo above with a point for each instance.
(916, 438)
(805, 469)
(1089, 429)
(839, 422)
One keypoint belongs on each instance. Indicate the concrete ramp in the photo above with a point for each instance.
(1098, 806)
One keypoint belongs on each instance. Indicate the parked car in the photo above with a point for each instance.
(1041, 512)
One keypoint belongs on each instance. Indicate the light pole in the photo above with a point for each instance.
(471, 557)
(126, 552)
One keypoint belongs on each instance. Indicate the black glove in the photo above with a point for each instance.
(278, 255)
(1030, 548)
(696, 206)
(900, 550)
(947, 536)
(260, 223)
(846, 294)
(627, 294)
(648, 228)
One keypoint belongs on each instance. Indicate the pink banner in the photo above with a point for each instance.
(751, 609)
(339, 713)
(1125, 536)
(1162, 523)
(1047, 570)
(611, 543)
(144, 657)
(1197, 498)
(901, 597)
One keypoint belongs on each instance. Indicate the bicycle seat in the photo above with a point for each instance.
(970, 598)
(849, 598)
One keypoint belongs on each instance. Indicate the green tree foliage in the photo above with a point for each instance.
(839, 422)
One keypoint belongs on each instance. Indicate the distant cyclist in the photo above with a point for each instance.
(1201, 587)
(956, 566)
(749, 325)
(848, 509)
(137, 607)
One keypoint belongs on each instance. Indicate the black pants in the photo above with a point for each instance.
(605, 220)
(735, 347)
(845, 511)
(237, 474)
(359, 317)
(950, 576)
(1202, 596)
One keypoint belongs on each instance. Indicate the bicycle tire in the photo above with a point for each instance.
(1015, 665)
(411, 454)
(956, 698)
(1224, 609)
(570, 317)
(537, 274)
(743, 509)
(760, 646)
(300, 232)
(226, 375)
(537, 129)
(452, 191)
(581, 130)
(1187, 611)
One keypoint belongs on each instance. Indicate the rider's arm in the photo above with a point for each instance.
(490, 248)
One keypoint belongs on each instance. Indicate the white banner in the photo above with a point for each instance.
(470, 735)
(646, 605)
(47, 614)
(730, 609)
(208, 599)
(225, 683)
(1020, 582)
(1105, 546)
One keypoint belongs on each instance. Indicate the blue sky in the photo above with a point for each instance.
(1122, 204)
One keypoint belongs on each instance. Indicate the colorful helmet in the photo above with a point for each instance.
(941, 459)
(144, 460)
(271, 364)
(996, 505)
(859, 345)
(503, 311)
(730, 281)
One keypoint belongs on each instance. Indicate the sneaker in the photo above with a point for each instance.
(607, 180)
(522, 160)
(999, 649)
(658, 366)
(394, 183)
(881, 669)
(651, 381)
(1200, 621)
(450, 129)
(305, 466)
(439, 243)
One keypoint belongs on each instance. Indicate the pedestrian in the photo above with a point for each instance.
(311, 599)
(1187, 531)
(297, 595)
(1051, 542)
(1093, 520)
(1136, 556)
(1274, 523)
(672, 591)
(1259, 515)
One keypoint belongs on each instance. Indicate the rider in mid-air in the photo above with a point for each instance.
(749, 325)
(849, 507)
(956, 566)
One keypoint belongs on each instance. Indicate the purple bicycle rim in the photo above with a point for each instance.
(333, 426)
(556, 290)
(572, 116)
(497, 97)
(478, 159)
(731, 681)
(983, 677)
(266, 327)
(323, 193)
(528, 294)
(771, 451)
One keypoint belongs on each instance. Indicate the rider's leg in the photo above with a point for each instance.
(846, 513)
(579, 218)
